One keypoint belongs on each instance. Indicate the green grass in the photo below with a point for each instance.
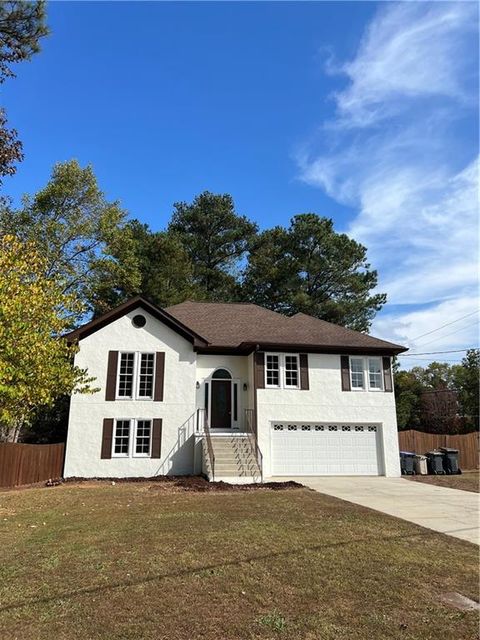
(146, 561)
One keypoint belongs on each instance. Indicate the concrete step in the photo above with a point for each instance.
(234, 459)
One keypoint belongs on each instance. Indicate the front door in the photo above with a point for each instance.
(221, 411)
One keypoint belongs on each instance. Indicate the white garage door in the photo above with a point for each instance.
(326, 449)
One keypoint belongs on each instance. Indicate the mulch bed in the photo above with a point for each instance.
(194, 483)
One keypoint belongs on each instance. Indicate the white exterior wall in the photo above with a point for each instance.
(323, 402)
(326, 402)
(84, 440)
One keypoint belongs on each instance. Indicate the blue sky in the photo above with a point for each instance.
(364, 112)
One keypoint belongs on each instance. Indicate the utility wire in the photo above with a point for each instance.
(450, 334)
(445, 325)
(432, 353)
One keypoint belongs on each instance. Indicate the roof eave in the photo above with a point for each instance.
(246, 348)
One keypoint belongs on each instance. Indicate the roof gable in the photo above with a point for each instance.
(138, 302)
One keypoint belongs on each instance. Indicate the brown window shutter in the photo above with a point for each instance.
(259, 370)
(111, 386)
(345, 365)
(157, 437)
(107, 436)
(304, 384)
(159, 376)
(387, 374)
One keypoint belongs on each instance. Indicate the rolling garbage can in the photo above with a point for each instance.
(435, 462)
(450, 460)
(406, 463)
(420, 463)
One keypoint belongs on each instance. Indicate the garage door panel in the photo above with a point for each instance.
(325, 449)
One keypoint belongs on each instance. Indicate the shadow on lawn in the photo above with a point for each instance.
(211, 567)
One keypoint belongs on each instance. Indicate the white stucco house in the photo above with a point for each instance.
(235, 391)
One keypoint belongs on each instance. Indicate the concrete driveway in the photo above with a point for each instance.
(449, 511)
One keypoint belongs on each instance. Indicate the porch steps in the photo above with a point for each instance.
(235, 461)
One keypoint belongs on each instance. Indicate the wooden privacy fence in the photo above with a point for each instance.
(29, 463)
(419, 442)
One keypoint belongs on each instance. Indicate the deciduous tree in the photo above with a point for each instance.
(78, 232)
(35, 362)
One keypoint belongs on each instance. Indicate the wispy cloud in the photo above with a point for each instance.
(402, 151)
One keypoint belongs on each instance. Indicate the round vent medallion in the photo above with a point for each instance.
(139, 321)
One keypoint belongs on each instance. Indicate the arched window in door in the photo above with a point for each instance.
(221, 374)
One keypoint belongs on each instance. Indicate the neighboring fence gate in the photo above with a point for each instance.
(29, 463)
(419, 442)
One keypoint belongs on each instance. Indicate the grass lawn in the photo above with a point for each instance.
(149, 561)
(467, 481)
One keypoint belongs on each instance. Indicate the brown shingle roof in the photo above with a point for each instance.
(238, 325)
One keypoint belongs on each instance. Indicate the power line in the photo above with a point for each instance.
(450, 334)
(432, 353)
(445, 325)
(430, 360)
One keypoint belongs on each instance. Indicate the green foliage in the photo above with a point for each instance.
(312, 269)
(77, 232)
(215, 238)
(35, 364)
(467, 378)
(164, 269)
(408, 390)
(441, 398)
(22, 24)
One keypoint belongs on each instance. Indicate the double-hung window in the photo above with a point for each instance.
(291, 371)
(375, 376)
(282, 371)
(366, 374)
(272, 370)
(132, 438)
(126, 372)
(357, 372)
(136, 372)
(121, 439)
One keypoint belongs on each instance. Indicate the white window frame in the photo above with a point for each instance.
(381, 387)
(279, 385)
(297, 358)
(282, 377)
(136, 375)
(362, 360)
(366, 373)
(132, 438)
(121, 455)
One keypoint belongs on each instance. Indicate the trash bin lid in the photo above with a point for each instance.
(407, 453)
(420, 457)
(448, 450)
(435, 452)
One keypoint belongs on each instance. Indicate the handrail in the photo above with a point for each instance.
(208, 438)
(253, 441)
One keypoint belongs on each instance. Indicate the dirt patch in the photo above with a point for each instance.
(192, 483)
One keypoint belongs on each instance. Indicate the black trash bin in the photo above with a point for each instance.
(407, 459)
(435, 462)
(450, 460)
